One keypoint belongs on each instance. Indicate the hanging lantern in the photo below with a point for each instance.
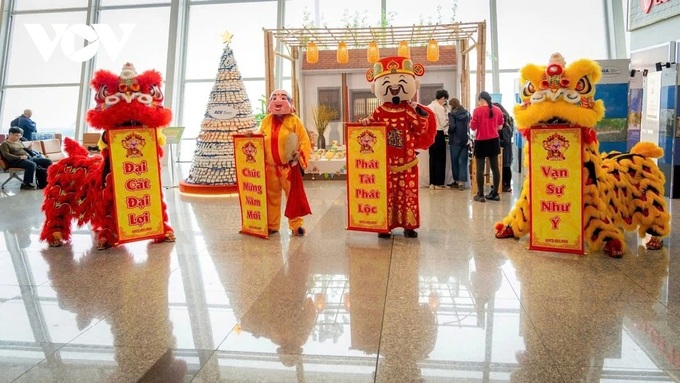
(320, 302)
(404, 50)
(312, 53)
(373, 52)
(343, 53)
(434, 301)
(432, 50)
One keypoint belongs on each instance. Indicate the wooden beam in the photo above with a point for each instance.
(294, 79)
(464, 73)
(481, 57)
(285, 56)
(269, 62)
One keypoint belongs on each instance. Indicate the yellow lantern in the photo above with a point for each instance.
(404, 50)
(343, 54)
(320, 301)
(373, 53)
(312, 53)
(432, 50)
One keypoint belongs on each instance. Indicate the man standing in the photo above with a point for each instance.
(438, 149)
(26, 124)
(410, 126)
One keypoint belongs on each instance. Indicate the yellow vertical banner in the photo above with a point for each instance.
(367, 177)
(136, 173)
(252, 185)
(556, 191)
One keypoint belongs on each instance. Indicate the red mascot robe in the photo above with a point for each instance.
(407, 131)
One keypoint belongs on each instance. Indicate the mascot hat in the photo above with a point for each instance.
(392, 65)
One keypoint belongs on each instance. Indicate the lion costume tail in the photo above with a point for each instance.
(73, 148)
(647, 149)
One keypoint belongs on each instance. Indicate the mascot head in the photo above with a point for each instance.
(559, 93)
(280, 103)
(393, 79)
(128, 99)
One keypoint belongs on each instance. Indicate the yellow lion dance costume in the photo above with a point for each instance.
(622, 191)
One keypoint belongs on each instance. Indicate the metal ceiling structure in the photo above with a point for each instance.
(465, 36)
(390, 36)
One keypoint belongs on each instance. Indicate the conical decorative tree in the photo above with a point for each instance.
(228, 113)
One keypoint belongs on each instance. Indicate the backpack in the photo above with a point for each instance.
(41, 177)
(14, 123)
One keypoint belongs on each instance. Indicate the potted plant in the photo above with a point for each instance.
(322, 115)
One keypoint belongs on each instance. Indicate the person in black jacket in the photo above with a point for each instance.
(459, 143)
(505, 135)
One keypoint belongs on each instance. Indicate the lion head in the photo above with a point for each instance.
(128, 100)
(559, 93)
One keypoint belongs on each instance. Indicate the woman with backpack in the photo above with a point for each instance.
(505, 134)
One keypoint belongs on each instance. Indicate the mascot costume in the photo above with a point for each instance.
(410, 127)
(80, 187)
(621, 191)
(287, 150)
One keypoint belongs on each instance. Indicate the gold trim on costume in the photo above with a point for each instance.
(397, 169)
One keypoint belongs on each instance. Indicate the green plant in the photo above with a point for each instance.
(263, 110)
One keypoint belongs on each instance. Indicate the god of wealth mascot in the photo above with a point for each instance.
(80, 187)
(410, 127)
(621, 191)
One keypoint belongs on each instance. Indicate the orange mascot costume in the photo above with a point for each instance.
(287, 149)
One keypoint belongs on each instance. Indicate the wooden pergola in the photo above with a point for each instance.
(467, 36)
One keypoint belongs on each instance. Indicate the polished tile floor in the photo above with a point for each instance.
(454, 305)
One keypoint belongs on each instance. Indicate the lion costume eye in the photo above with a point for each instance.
(155, 92)
(101, 93)
(584, 86)
(529, 89)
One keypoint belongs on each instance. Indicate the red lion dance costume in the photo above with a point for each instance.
(80, 186)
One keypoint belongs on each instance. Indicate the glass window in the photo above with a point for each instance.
(358, 13)
(363, 103)
(540, 32)
(300, 13)
(29, 5)
(206, 26)
(195, 103)
(43, 48)
(106, 3)
(138, 36)
(55, 109)
(331, 97)
(401, 13)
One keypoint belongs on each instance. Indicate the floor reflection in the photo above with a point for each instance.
(455, 305)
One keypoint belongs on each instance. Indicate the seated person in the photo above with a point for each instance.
(13, 151)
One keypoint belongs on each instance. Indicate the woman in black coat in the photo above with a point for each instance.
(505, 135)
(459, 138)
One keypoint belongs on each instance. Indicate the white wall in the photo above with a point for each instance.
(661, 32)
